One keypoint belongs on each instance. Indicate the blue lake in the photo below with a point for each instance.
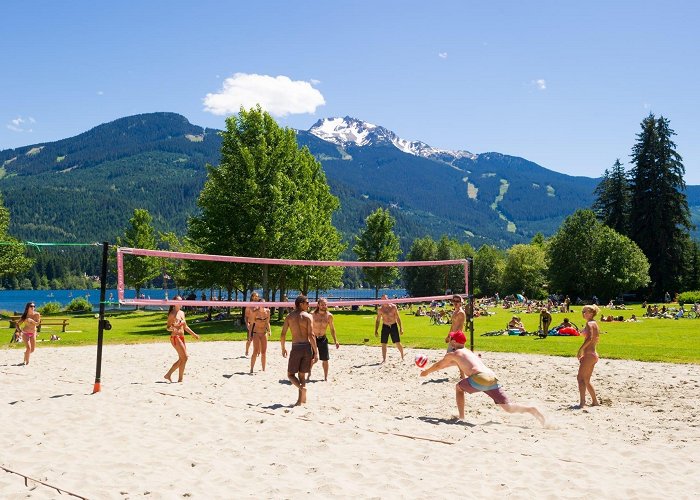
(15, 300)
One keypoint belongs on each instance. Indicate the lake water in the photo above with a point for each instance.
(15, 300)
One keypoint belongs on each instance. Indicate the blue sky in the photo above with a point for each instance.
(564, 84)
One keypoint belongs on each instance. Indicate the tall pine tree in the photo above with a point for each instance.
(612, 204)
(659, 215)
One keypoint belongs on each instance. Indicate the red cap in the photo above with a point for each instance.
(458, 337)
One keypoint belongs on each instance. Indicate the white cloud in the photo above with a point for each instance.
(18, 124)
(541, 84)
(100, 92)
(313, 81)
(279, 96)
(442, 55)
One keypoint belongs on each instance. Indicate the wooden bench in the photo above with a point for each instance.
(63, 322)
(54, 321)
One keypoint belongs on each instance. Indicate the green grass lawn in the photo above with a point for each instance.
(668, 340)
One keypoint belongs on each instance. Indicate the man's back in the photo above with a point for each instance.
(468, 362)
(300, 323)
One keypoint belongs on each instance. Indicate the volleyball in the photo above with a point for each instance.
(421, 360)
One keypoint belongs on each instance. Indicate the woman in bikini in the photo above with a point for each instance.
(587, 355)
(30, 319)
(177, 326)
(259, 328)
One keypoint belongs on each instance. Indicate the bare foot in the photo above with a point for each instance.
(595, 403)
(167, 377)
(540, 418)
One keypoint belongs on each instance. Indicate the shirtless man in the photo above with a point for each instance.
(258, 320)
(304, 349)
(479, 379)
(459, 317)
(249, 321)
(322, 320)
(388, 314)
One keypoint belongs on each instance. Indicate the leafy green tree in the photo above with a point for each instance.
(13, 260)
(692, 275)
(538, 240)
(586, 258)
(489, 265)
(422, 281)
(452, 277)
(139, 270)
(526, 271)
(378, 243)
(659, 214)
(612, 203)
(428, 281)
(267, 198)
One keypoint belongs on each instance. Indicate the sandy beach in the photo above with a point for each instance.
(370, 431)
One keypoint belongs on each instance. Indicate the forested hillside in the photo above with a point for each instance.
(85, 188)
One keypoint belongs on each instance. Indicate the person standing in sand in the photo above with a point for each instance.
(479, 379)
(249, 321)
(258, 319)
(588, 356)
(177, 326)
(304, 349)
(30, 319)
(459, 317)
(322, 321)
(389, 316)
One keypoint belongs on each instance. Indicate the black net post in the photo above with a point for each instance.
(470, 295)
(101, 322)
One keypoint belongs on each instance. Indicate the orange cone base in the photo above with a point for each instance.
(96, 388)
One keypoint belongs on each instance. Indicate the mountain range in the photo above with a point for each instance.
(85, 188)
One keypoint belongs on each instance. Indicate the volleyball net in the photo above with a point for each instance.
(279, 281)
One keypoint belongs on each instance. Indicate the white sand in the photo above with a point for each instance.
(226, 434)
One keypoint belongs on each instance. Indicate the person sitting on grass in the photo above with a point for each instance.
(516, 324)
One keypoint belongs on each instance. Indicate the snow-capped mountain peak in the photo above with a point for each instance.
(351, 131)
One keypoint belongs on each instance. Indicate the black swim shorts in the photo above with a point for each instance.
(392, 330)
(322, 344)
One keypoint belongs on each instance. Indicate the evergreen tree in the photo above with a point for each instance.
(612, 203)
(659, 214)
(378, 243)
(139, 270)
